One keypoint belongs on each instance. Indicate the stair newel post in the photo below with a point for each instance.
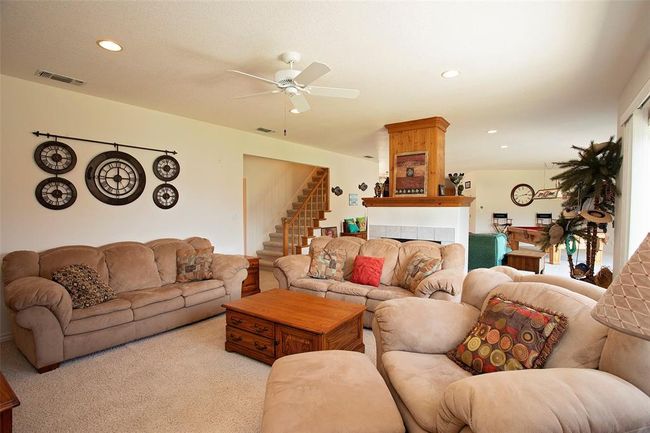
(285, 237)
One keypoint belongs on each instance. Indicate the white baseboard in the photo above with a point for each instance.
(6, 337)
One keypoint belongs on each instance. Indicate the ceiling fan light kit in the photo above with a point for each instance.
(296, 83)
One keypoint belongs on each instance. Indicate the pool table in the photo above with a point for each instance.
(530, 235)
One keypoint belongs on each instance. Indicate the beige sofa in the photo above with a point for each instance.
(46, 328)
(595, 380)
(291, 272)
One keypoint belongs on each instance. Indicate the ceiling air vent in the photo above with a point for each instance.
(57, 77)
(265, 130)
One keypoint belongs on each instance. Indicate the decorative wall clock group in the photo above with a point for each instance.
(114, 177)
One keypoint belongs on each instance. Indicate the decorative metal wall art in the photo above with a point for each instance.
(165, 196)
(337, 190)
(55, 157)
(56, 193)
(115, 178)
(166, 168)
(363, 186)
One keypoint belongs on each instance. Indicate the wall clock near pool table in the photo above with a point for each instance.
(522, 194)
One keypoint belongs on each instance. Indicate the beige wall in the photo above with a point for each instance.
(210, 183)
(271, 187)
(492, 191)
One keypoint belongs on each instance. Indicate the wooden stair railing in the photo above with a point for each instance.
(299, 227)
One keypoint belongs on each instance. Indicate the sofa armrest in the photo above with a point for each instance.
(553, 400)
(27, 292)
(422, 325)
(232, 270)
(446, 280)
(293, 267)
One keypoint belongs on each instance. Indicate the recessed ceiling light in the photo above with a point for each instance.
(504, 146)
(368, 156)
(294, 111)
(452, 73)
(492, 131)
(109, 45)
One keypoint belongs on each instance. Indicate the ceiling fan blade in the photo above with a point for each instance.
(253, 76)
(299, 102)
(256, 94)
(333, 92)
(311, 73)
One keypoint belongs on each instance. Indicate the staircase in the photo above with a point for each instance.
(295, 231)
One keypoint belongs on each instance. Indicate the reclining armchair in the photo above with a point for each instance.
(595, 380)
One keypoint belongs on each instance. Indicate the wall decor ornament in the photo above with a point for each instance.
(115, 178)
(56, 193)
(165, 196)
(456, 178)
(411, 171)
(337, 190)
(363, 186)
(55, 157)
(353, 199)
(379, 188)
(166, 168)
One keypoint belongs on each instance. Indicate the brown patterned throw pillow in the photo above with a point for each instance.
(194, 265)
(420, 266)
(327, 265)
(84, 284)
(509, 336)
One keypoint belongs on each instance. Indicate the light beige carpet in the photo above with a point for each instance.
(181, 381)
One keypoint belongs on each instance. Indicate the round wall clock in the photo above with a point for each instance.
(166, 168)
(165, 196)
(56, 193)
(55, 157)
(522, 194)
(115, 178)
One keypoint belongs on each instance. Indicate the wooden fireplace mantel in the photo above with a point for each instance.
(442, 201)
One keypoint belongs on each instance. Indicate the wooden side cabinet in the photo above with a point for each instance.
(251, 284)
(8, 401)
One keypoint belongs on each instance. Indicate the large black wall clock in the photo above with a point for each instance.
(166, 168)
(115, 178)
(165, 196)
(55, 157)
(56, 193)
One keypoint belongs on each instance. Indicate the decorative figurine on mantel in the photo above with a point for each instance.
(379, 188)
(456, 178)
(386, 192)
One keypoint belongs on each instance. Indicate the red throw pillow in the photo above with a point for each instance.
(367, 270)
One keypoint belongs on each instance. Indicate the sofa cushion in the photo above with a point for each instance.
(131, 266)
(205, 296)
(367, 270)
(98, 322)
(107, 307)
(141, 298)
(349, 288)
(313, 284)
(421, 266)
(194, 287)
(327, 265)
(351, 247)
(420, 380)
(384, 293)
(157, 308)
(85, 286)
(406, 252)
(165, 257)
(386, 248)
(52, 260)
(509, 336)
(194, 265)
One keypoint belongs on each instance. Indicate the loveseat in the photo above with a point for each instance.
(446, 284)
(46, 328)
(595, 379)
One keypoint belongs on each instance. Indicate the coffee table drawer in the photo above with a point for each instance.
(249, 323)
(250, 341)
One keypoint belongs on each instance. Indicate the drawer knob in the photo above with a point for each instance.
(258, 328)
(259, 346)
(235, 337)
(236, 321)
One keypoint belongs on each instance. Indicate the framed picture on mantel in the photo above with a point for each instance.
(411, 170)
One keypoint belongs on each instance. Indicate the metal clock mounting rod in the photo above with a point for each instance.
(48, 135)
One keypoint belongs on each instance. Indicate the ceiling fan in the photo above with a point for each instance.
(296, 83)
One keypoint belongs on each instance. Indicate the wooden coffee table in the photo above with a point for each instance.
(276, 323)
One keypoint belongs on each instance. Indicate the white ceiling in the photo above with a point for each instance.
(547, 75)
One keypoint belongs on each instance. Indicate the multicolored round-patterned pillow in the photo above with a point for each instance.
(509, 336)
